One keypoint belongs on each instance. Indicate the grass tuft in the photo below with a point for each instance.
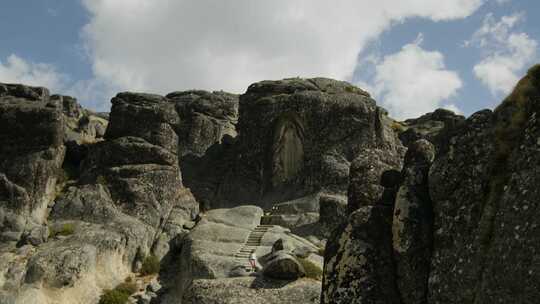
(150, 265)
(65, 229)
(313, 271)
(119, 295)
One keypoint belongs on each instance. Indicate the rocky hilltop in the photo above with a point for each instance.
(164, 199)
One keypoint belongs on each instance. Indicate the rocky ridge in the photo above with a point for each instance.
(429, 210)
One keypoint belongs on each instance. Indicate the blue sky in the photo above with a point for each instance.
(413, 56)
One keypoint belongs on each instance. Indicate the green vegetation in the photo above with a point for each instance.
(321, 251)
(101, 180)
(513, 113)
(119, 295)
(150, 265)
(65, 229)
(127, 287)
(398, 127)
(313, 271)
(113, 297)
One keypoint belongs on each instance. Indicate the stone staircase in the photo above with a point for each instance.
(253, 242)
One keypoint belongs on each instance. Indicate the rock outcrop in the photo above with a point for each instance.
(464, 228)
(209, 251)
(166, 198)
(31, 155)
(359, 266)
(297, 137)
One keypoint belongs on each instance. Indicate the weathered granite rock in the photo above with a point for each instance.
(283, 266)
(30, 157)
(483, 191)
(301, 215)
(157, 112)
(332, 213)
(359, 266)
(139, 164)
(297, 137)
(458, 180)
(358, 260)
(208, 252)
(81, 126)
(412, 224)
(374, 179)
(484, 223)
(429, 126)
(252, 291)
(205, 118)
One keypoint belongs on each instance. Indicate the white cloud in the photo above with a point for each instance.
(414, 81)
(165, 45)
(19, 70)
(506, 52)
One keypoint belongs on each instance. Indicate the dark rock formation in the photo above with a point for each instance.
(283, 266)
(205, 118)
(454, 220)
(412, 224)
(30, 157)
(467, 232)
(359, 266)
(429, 126)
(297, 137)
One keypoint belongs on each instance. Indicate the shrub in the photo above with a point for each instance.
(398, 127)
(313, 271)
(65, 229)
(101, 180)
(150, 265)
(119, 295)
(113, 297)
(127, 288)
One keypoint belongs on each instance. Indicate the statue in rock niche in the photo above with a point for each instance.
(287, 149)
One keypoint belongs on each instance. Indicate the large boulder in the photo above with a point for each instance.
(297, 137)
(283, 266)
(31, 154)
(139, 162)
(205, 118)
(429, 126)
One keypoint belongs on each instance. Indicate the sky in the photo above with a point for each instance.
(413, 56)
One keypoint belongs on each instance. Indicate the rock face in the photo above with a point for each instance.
(464, 228)
(428, 126)
(283, 266)
(210, 251)
(88, 200)
(205, 118)
(252, 291)
(413, 224)
(297, 137)
(30, 158)
(125, 199)
(359, 266)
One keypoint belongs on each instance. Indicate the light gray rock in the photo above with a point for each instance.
(283, 266)
(252, 291)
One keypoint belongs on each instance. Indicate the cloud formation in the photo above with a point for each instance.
(414, 81)
(165, 45)
(18, 70)
(506, 52)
